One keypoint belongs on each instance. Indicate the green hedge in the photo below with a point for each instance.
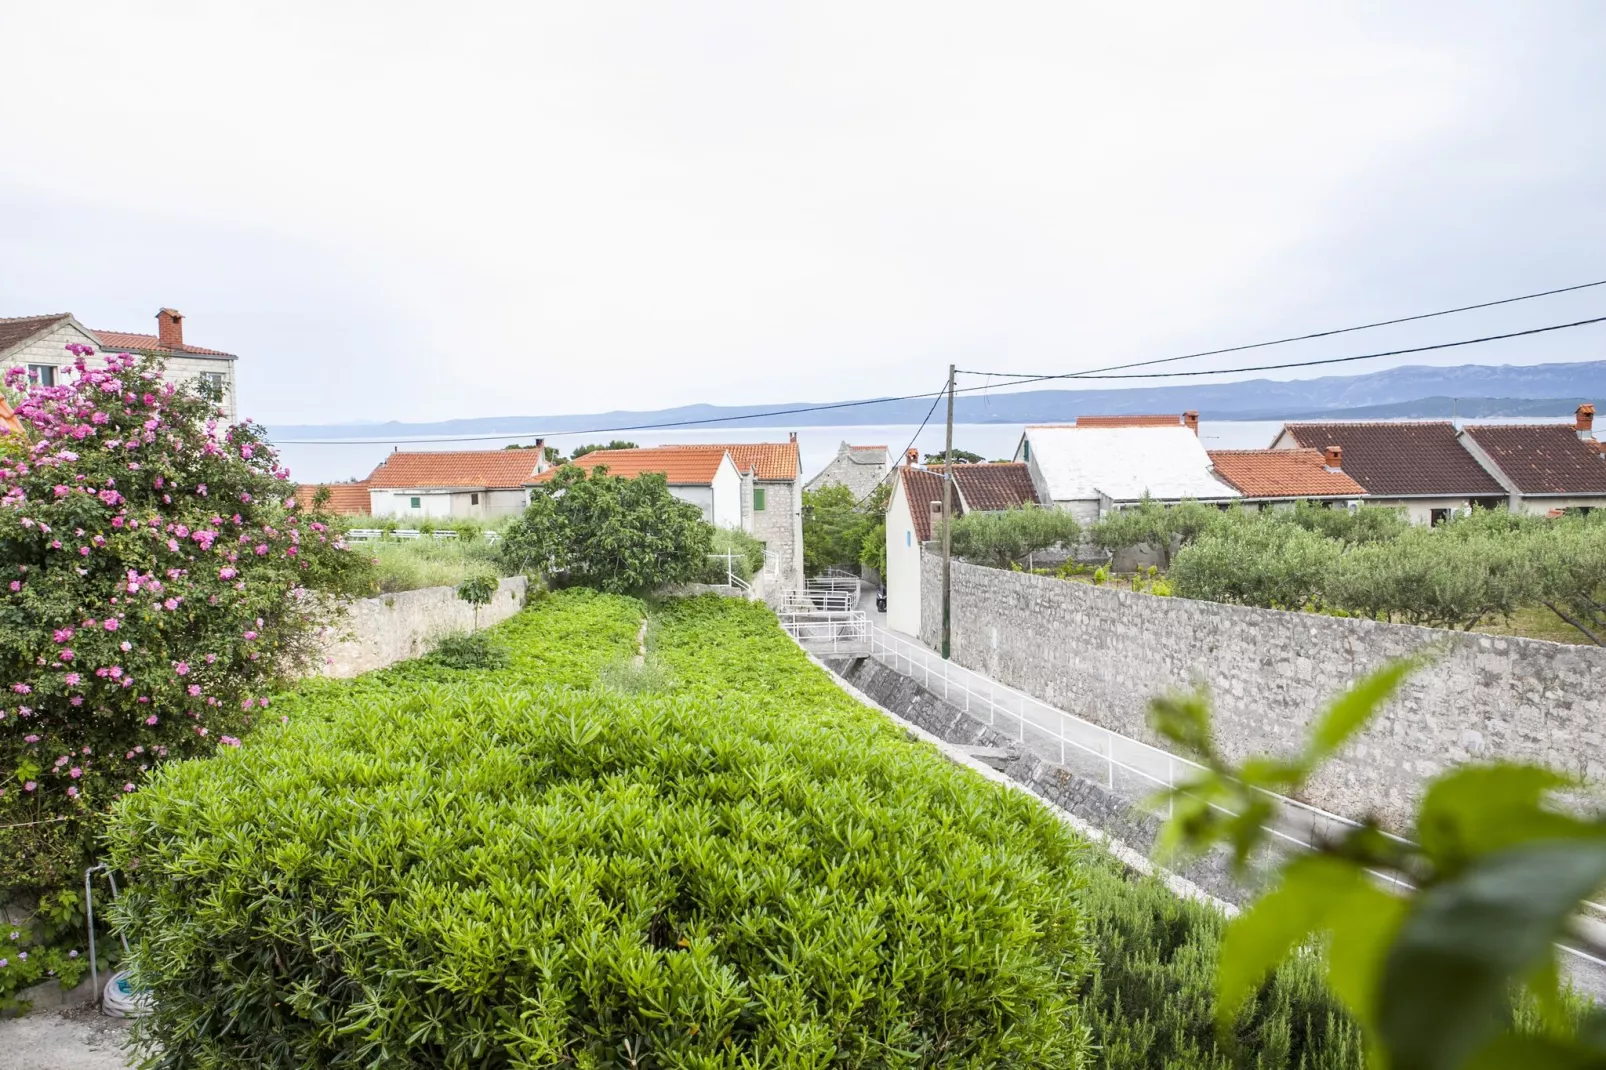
(443, 871)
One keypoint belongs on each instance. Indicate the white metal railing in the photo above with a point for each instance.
(772, 565)
(408, 533)
(364, 534)
(446, 533)
(839, 633)
(493, 537)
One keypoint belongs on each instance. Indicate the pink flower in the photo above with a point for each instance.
(151, 719)
(29, 786)
(65, 655)
(30, 739)
(171, 604)
(83, 551)
(16, 585)
(194, 690)
(226, 573)
(126, 646)
(75, 772)
(111, 624)
(71, 679)
(126, 788)
(21, 689)
(72, 793)
(61, 635)
(249, 636)
(182, 668)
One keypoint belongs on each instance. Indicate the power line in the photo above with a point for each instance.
(1336, 331)
(896, 463)
(1100, 373)
(1019, 379)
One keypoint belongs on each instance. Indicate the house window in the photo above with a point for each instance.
(758, 499)
(213, 381)
(1440, 516)
(42, 374)
(474, 499)
(908, 538)
(414, 503)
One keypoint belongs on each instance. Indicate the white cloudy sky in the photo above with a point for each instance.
(414, 211)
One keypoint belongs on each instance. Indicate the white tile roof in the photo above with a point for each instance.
(1124, 463)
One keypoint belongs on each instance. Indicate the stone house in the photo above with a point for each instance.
(468, 484)
(859, 468)
(771, 501)
(1543, 467)
(40, 343)
(1094, 467)
(1276, 479)
(1417, 466)
(916, 506)
(707, 478)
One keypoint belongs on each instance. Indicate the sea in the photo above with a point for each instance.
(326, 463)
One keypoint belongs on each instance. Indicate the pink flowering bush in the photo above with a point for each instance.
(157, 580)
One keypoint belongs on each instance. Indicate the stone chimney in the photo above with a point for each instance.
(1190, 420)
(1334, 460)
(794, 438)
(912, 457)
(1584, 419)
(170, 328)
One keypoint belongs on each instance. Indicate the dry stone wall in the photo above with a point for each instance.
(1102, 654)
(394, 627)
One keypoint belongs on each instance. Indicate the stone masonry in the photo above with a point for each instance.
(1101, 654)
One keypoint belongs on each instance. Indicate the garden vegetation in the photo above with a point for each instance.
(160, 583)
(718, 860)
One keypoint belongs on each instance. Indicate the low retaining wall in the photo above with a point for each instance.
(1102, 654)
(394, 627)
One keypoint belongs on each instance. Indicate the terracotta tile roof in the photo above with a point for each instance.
(1542, 458)
(350, 499)
(8, 419)
(21, 328)
(770, 462)
(1283, 474)
(1151, 420)
(493, 469)
(920, 488)
(1401, 459)
(120, 341)
(680, 465)
(987, 488)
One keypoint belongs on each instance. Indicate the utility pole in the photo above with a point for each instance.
(947, 525)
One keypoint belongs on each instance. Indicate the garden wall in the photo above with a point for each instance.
(394, 627)
(1102, 654)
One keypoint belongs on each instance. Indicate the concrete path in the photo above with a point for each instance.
(78, 1039)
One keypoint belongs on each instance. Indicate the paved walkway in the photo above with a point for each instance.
(78, 1039)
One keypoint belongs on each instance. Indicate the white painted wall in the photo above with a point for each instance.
(701, 497)
(903, 565)
(727, 495)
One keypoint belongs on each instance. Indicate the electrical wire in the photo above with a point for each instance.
(1100, 373)
(898, 461)
(1341, 330)
(1021, 379)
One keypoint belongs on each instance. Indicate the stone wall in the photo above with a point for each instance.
(779, 526)
(394, 627)
(1102, 654)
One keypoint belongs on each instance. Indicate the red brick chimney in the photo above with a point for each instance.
(1334, 460)
(170, 328)
(1190, 420)
(912, 457)
(794, 437)
(1584, 419)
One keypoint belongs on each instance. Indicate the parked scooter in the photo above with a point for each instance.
(881, 600)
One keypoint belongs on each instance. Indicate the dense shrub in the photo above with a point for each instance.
(834, 528)
(1009, 537)
(1151, 1001)
(413, 564)
(747, 556)
(749, 869)
(1151, 524)
(613, 534)
(472, 650)
(1290, 566)
(159, 582)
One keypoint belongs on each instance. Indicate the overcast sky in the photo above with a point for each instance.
(420, 211)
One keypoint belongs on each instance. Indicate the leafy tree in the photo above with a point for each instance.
(478, 590)
(1161, 526)
(834, 527)
(1008, 537)
(1368, 524)
(617, 535)
(960, 457)
(1290, 566)
(1494, 873)
(592, 447)
(873, 545)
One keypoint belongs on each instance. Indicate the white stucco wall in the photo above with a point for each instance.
(727, 495)
(51, 348)
(903, 565)
(701, 497)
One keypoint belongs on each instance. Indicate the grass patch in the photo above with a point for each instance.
(413, 564)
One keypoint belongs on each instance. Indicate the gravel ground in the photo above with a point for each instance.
(77, 1039)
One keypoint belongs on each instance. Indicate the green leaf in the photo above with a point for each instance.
(1313, 888)
(1477, 810)
(1185, 721)
(1349, 712)
(1363, 927)
(1468, 940)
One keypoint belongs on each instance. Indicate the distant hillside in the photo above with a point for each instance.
(1476, 390)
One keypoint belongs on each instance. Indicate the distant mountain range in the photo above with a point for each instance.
(1473, 390)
